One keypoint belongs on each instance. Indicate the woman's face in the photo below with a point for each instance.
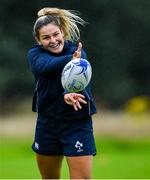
(52, 38)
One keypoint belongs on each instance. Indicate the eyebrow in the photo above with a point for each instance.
(44, 35)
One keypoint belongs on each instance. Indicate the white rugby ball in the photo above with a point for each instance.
(76, 75)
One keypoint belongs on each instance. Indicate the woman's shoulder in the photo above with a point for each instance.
(35, 52)
(35, 48)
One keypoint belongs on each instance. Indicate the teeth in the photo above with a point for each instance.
(54, 46)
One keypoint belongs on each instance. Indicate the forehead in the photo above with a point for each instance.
(49, 29)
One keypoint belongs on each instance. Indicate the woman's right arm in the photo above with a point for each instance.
(45, 64)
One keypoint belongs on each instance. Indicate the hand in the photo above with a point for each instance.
(75, 99)
(77, 53)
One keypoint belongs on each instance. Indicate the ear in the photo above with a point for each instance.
(62, 32)
(37, 40)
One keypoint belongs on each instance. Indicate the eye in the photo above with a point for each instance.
(56, 34)
(46, 37)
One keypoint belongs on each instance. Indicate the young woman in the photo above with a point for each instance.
(64, 124)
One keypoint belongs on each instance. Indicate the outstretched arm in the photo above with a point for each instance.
(45, 64)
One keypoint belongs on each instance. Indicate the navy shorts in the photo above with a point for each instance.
(64, 137)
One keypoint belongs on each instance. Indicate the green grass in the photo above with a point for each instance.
(116, 158)
(122, 158)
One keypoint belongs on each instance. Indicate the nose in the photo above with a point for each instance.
(52, 39)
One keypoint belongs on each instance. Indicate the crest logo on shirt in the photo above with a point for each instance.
(79, 146)
(36, 145)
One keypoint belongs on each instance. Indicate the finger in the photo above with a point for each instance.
(77, 96)
(79, 46)
(76, 54)
(80, 95)
(82, 101)
(75, 107)
(78, 105)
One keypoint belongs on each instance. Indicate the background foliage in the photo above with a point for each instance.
(116, 39)
(117, 43)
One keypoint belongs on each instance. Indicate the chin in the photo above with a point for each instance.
(56, 51)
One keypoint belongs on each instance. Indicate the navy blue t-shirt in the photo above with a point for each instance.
(48, 95)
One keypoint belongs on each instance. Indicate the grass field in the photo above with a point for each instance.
(123, 147)
(116, 158)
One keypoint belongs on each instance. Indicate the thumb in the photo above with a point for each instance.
(79, 46)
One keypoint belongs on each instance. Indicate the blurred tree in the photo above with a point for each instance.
(116, 40)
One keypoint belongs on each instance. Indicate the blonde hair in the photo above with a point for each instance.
(67, 20)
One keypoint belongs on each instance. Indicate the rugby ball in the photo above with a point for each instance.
(76, 75)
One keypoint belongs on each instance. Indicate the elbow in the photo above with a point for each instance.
(39, 72)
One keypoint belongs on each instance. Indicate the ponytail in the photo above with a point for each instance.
(67, 20)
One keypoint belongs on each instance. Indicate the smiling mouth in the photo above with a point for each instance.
(55, 46)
